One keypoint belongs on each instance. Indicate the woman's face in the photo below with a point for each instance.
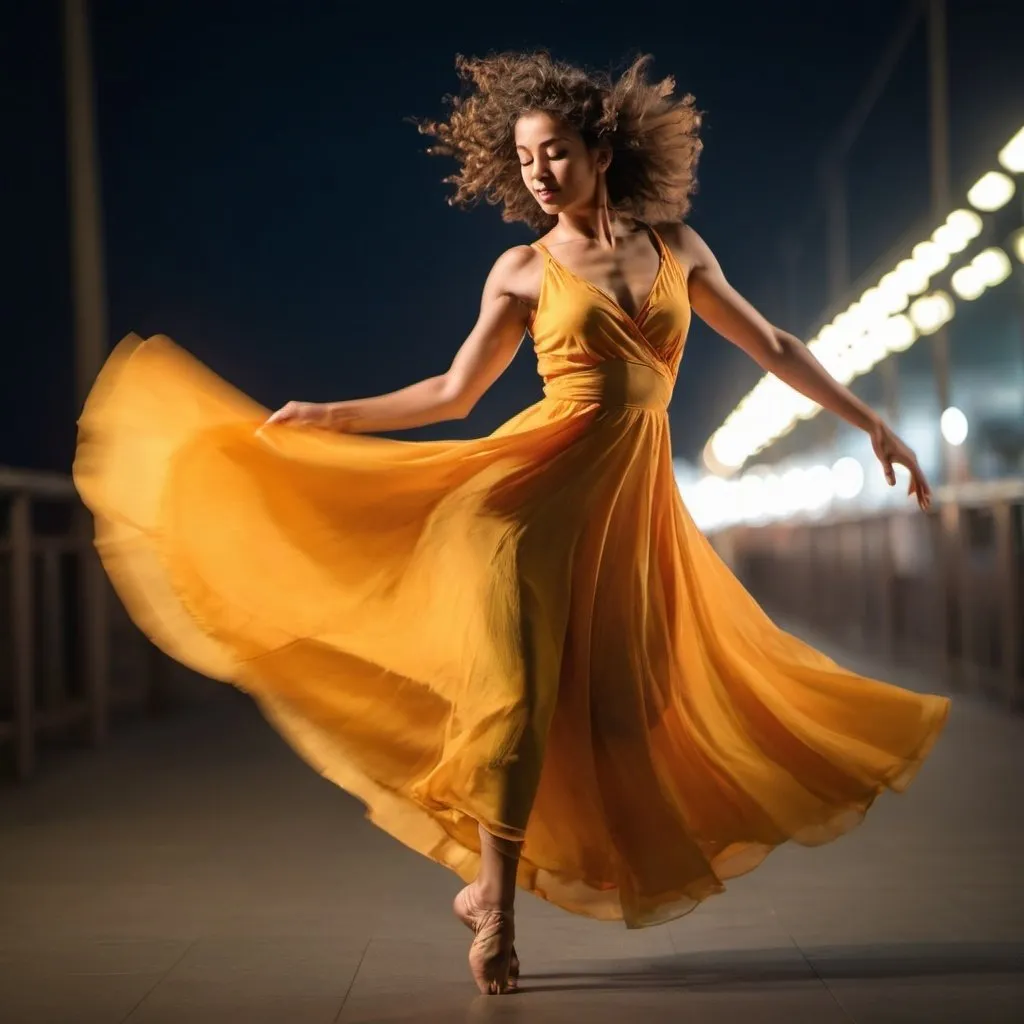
(558, 168)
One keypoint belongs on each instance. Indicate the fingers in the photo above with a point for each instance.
(924, 496)
(920, 489)
(889, 449)
(301, 414)
(917, 486)
(286, 414)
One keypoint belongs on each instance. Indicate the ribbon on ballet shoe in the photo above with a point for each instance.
(506, 847)
(470, 914)
(490, 955)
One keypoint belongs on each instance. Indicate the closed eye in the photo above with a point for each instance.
(554, 156)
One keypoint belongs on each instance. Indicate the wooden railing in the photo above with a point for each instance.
(65, 640)
(941, 590)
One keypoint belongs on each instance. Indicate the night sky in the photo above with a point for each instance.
(267, 206)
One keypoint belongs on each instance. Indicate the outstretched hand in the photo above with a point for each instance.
(890, 450)
(309, 414)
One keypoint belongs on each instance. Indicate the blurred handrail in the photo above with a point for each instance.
(944, 590)
(42, 695)
(38, 483)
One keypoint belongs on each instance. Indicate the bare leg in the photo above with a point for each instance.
(486, 906)
(495, 885)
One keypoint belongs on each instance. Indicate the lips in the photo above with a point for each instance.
(545, 193)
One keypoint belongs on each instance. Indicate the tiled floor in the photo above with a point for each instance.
(196, 871)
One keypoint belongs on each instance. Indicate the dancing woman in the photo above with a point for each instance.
(518, 651)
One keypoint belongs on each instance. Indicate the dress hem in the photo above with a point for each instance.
(443, 833)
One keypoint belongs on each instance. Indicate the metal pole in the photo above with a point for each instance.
(90, 320)
(834, 188)
(87, 269)
(890, 374)
(837, 228)
(880, 77)
(952, 517)
(837, 255)
(23, 637)
(938, 78)
(938, 100)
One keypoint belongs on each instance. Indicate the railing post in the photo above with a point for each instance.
(887, 589)
(1009, 603)
(862, 609)
(54, 674)
(94, 618)
(952, 587)
(23, 640)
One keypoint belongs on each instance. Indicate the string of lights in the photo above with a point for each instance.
(887, 319)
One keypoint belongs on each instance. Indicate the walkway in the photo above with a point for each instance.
(196, 871)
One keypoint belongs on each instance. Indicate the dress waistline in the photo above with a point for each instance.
(614, 382)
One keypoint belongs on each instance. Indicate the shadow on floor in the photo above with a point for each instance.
(727, 969)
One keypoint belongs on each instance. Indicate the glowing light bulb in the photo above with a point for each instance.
(993, 265)
(953, 424)
(847, 477)
(898, 334)
(930, 257)
(992, 191)
(965, 222)
(1011, 156)
(930, 312)
(1018, 245)
(968, 282)
(912, 276)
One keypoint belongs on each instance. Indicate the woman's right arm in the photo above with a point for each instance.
(479, 361)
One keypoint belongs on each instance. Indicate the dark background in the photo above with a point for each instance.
(266, 205)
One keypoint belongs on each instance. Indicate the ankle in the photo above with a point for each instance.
(489, 896)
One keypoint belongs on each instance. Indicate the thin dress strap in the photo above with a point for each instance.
(666, 255)
(655, 237)
(548, 260)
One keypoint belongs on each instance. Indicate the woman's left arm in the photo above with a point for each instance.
(728, 313)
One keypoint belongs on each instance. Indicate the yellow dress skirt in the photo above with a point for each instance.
(525, 631)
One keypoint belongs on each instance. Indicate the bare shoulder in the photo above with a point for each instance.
(686, 244)
(517, 259)
(679, 236)
(517, 272)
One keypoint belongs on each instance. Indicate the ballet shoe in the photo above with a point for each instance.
(492, 955)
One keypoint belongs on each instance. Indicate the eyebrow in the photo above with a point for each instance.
(547, 142)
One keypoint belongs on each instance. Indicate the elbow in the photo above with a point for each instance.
(453, 401)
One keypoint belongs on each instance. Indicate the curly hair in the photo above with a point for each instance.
(653, 135)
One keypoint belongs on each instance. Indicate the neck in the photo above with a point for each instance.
(595, 222)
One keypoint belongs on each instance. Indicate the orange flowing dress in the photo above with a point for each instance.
(525, 630)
